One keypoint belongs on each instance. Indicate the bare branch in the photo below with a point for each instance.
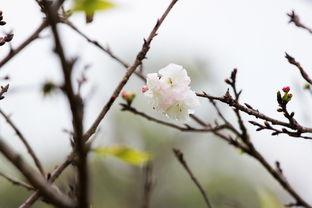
(25, 142)
(37, 181)
(227, 99)
(17, 182)
(148, 184)
(179, 155)
(52, 177)
(26, 42)
(297, 64)
(188, 128)
(101, 47)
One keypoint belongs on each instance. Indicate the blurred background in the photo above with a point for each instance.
(209, 38)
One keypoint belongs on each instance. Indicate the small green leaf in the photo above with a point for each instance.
(268, 199)
(124, 153)
(91, 6)
(306, 87)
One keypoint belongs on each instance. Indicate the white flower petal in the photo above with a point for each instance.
(170, 92)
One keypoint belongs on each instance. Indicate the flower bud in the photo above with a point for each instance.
(286, 89)
(128, 96)
(8, 37)
(144, 89)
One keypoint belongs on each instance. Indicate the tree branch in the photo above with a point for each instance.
(76, 107)
(187, 128)
(227, 99)
(26, 42)
(52, 177)
(17, 182)
(179, 155)
(148, 184)
(26, 144)
(37, 181)
(293, 61)
(138, 61)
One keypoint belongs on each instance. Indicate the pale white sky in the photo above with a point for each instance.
(248, 34)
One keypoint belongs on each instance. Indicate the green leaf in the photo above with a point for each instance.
(90, 6)
(268, 199)
(124, 153)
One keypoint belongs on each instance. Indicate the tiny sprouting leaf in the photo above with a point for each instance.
(91, 6)
(124, 153)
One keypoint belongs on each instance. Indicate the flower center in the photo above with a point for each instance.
(170, 81)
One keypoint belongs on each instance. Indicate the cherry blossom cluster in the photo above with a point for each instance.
(170, 93)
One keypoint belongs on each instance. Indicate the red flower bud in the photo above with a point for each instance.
(144, 89)
(286, 89)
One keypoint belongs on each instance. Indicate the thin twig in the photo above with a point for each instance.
(148, 185)
(187, 128)
(25, 142)
(293, 61)
(231, 102)
(36, 180)
(17, 182)
(101, 47)
(179, 155)
(52, 177)
(25, 43)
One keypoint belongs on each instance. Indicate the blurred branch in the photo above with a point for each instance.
(17, 182)
(25, 142)
(102, 48)
(51, 178)
(94, 42)
(179, 155)
(25, 43)
(37, 181)
(148, 184)
(294, 18)
(76, 106)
